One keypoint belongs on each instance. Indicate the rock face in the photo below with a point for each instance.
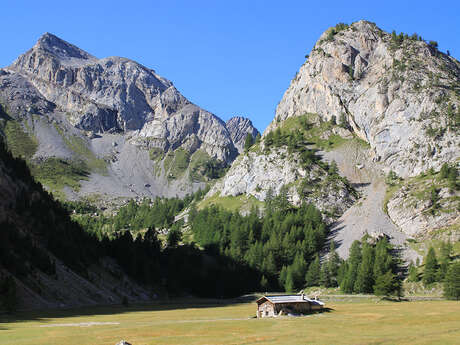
(56, 89)
(256, 174)
(239, 127)
(119, 95)
(398, 94)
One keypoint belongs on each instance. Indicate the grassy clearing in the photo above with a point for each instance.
(20, 143)
(80, 147)
(319, 133)
(57, 173)
(156, 153)
(423, 247)
(365, 322)
(232, 203)
(176, 163)
(198, 163)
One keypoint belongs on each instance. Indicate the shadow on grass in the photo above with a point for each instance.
(45, 316)
(313, 312)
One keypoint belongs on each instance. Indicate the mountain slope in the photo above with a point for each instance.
(239, 127)
(133, 129)
(375, 102)
(398, 93)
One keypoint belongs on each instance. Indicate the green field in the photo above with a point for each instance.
(365, 322)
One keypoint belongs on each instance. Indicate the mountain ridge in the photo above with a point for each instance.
(56, 90)
(367, 94)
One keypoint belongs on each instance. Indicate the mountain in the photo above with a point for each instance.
(384, 110)
(128, 129)
(239, 127)
(46, 260)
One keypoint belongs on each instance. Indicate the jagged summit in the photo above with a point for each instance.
(389, 89)
(239, 127)
(61, 49)
(117, 99)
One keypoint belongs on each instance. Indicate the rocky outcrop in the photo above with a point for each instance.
(239, 127)
(426, 207)
(257, 175)
(119, 95)
(398, 93)
(114, 110)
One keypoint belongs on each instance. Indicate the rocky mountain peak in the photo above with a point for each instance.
(395, 91)
(60, 49)
(239, 127)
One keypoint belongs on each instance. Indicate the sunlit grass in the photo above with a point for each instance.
(368, 322)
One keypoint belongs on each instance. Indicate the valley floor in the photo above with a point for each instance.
(365, 321)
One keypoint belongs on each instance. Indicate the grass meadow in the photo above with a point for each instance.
(348, 322)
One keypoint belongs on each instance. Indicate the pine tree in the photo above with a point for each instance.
(452, 282)
(444, 172)
(431, 265)
(298, 270)
(264, 283)
(324, 278)
(365, 278)
(283, 276)
(289, 286)
(386, 285)
(446, 250)
(312, 277)
(333, 265)
(8, 294)
(413, 273)
(352, 267)
(248, 142)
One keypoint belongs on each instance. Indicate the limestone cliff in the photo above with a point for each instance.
(396, 92)
(378, 102)
(114, 111)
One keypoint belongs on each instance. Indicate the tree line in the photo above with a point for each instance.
(438, 270)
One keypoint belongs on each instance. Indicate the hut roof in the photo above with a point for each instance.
(289, 299)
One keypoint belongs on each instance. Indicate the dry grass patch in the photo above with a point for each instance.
(370, 322)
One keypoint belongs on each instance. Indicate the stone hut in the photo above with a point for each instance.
(269, 306)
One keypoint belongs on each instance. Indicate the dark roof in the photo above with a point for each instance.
(289, 299)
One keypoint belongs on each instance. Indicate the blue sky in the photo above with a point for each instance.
(229, 57)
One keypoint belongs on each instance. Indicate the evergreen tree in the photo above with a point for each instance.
(289, 285)
(283, 276)
(312, 277)
(8, 294)
(444, 172)
(333, 265)
(452, 282)
(342, 272)
(413, 273)
(383, 259)
(351, 273)
(386, 285)
(324, 277)
(248, 142)
(431, 265)
(446, 250)
(365, 277)
(298, 269)
(269, 139)
(264, 283)
(333, 168)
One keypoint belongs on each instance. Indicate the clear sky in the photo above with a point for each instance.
(229, 57)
